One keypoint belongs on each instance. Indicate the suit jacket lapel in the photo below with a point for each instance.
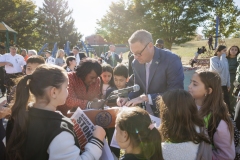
(154, 65)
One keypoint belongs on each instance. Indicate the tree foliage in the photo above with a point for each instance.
(228, 14)
(56, 24)
(175, 21)
(20, 15)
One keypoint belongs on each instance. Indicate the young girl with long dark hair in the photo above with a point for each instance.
(205, 88)
(36, 131)
(106, 79)
(232, 54)
(181, 127)
(137, 135)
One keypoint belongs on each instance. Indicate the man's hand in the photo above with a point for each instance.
(97, 104)
(138, 100)
(228, 88)
(121, 101)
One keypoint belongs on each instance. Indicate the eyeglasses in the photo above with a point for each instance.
(140, 54)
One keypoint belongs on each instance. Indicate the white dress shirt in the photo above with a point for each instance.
(50, 60)
(17, 61)
(148, 107)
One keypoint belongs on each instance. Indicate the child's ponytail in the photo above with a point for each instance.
(18, 121)
(151, 144)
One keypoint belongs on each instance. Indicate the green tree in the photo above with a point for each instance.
(119, 22)
(227, 12)
(175, 21)
(56, 23)
(21, 16)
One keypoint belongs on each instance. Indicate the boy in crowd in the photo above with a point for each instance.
(49, 58)
(32, 63)
(120, 76)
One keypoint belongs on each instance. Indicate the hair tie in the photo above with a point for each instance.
(151, 126)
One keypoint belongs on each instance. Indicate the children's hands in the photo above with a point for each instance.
(97, 104)
(99, 133)
(121, 101)
(137, 100)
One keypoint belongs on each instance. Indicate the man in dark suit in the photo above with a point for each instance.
(155, 70)
(113, 58)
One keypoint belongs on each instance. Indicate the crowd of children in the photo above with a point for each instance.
(195, 124)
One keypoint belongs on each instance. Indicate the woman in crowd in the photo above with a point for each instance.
(70, 64)
(219, 64)
(136, 134)
(181, 127)
(205, 88)
(84, 87)
(232, 53)
(37, 131)
(106, 79)
(60, 60)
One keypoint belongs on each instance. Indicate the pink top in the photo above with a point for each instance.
(224, 146)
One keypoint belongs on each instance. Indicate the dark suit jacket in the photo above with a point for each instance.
(166, 73)
(112, 60)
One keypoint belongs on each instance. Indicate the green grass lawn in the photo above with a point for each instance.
(186, 51)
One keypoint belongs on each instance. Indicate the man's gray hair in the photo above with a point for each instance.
(32, 52)
(141, 36)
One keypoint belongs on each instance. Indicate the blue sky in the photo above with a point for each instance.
(86, 13)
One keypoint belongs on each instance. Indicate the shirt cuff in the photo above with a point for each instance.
(150, 99)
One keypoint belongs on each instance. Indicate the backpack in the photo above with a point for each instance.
(236, 134)
(204, 149)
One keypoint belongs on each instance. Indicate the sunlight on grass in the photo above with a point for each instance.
(186, 51)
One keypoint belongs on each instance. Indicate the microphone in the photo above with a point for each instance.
(123, 92)
(134, 88)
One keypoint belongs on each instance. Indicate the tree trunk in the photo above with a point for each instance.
(167, 44)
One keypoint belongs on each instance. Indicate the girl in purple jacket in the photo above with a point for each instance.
(205, 87)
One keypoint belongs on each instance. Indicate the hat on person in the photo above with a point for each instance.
(159, 41)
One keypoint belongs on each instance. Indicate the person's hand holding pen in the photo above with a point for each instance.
(121, 101)
(96, 104)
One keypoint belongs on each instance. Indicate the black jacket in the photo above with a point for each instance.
(43, 127)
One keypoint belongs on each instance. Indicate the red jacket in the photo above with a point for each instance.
(78, 96)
